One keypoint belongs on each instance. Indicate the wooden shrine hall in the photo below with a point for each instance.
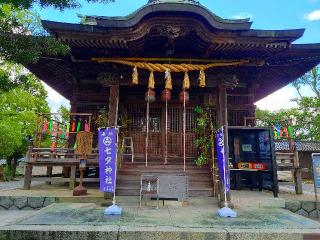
(159, 63)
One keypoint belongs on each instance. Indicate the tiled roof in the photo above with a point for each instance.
(302, 146)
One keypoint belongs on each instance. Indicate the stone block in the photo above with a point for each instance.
(293, 205)
(48, 201)
(308, 206)
(36, 202)
(273, 203)
(303, 213)
(20, 202)
(6, 202)
(315, 214)
(14, 208)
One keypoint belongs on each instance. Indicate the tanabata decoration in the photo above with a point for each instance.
(282, 132)
(45, 126)
(86, 126)
(73, 126)
(54, 134)
(67, 130)
(290, 131)
(51, 125)
(79, 126)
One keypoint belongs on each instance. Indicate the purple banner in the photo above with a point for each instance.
(107, 159)
(222, 159)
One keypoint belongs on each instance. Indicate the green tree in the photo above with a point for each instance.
(305, 118)
(205, 134)
(22, 38)
(21, 95)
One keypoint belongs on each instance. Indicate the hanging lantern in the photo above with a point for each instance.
(166, 95)
(135, 76)
(184, 96)
(150, 96)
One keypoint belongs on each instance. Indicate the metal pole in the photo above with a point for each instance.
(115, 180)
(147, 136)
(184, 131)
(166, 142)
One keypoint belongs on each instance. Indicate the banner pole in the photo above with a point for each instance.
(147, 134)
(166, 143)
(115, 176)
(184, 131)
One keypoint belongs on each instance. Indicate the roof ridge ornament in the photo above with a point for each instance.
(173, 1)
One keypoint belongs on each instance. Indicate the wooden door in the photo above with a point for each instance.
(138, 119)
(157, 139)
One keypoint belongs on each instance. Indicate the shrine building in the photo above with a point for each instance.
(151, 69)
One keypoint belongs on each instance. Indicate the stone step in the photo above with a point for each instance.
(136, 184)
(136, 178)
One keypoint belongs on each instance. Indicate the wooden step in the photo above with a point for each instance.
(128, 181)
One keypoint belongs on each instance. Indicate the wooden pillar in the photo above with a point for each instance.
(222, 120)
(113, 115)
(251, 100)
(297, 170)
(113, 105)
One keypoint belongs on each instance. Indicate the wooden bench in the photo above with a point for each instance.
(63, 157)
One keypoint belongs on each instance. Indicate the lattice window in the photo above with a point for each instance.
(137, 119)
(174, 122)
(155, 120)
(191, 118)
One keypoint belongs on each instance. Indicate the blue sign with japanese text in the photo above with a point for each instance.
(222, 159)
(316, 168)
(107, 159)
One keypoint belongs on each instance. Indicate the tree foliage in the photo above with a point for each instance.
(305, 118)
(59, 4)
(22, 38)
(205, 131)
(21, 95)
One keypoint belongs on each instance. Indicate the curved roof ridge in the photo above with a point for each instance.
(195, 8)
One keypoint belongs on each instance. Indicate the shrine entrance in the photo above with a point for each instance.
(157, 132)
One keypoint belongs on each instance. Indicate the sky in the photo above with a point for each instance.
(265, 14)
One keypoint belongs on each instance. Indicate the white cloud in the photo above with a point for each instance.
(54, 99)
(313, 16)
(280, 99)
(242, 15)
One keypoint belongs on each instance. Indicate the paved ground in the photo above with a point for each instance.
(289, 187)
(199, 214)
(16, 184)
(172, 221)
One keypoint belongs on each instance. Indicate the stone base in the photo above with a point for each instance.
(79, 191)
